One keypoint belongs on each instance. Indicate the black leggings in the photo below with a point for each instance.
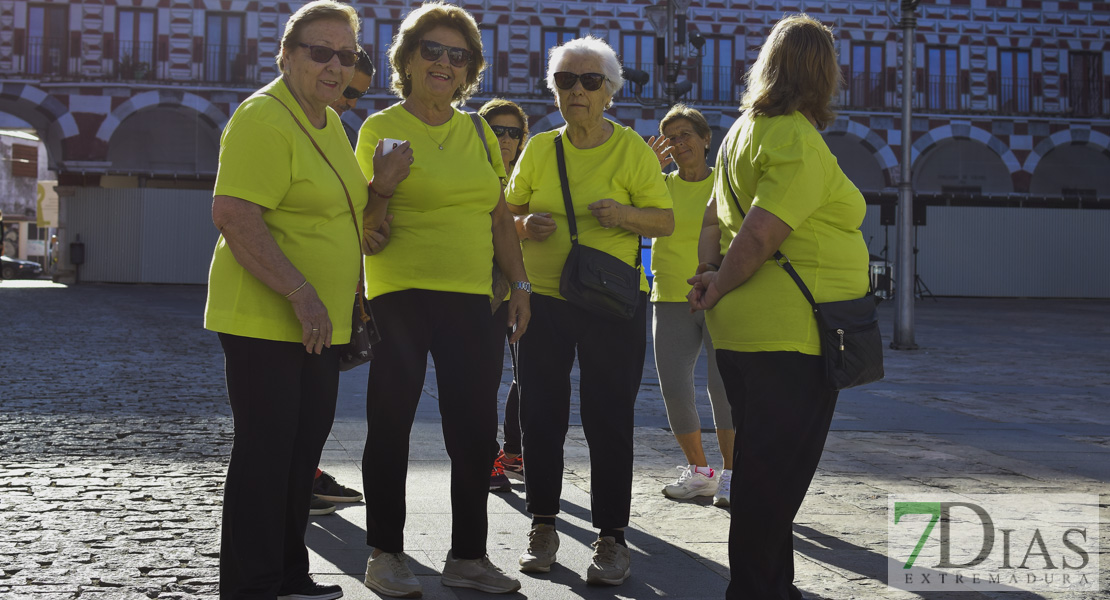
(283, 402)
(467, 349)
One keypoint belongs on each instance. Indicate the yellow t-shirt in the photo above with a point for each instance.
(624, 168)
(442, 232)
(782, 165)
(674, 258)
(266, 159)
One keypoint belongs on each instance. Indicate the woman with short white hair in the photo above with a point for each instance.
(617, 195)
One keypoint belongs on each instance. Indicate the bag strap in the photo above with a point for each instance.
(350, 204)
(780, 258)
(481, 135)
(566, 196)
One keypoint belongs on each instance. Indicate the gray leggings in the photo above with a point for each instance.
(679, 337)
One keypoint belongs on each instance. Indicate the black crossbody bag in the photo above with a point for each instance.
(591, 279)
(851, 344)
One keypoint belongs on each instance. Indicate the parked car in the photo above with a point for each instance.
(14, 268)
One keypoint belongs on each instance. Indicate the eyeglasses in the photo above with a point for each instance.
(430, 51)
(565, 80)
(323, 54)
(514, 132)
(352, 94)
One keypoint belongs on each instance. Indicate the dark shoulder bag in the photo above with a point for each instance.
(594, 280)
(849, 329)
(364, 331)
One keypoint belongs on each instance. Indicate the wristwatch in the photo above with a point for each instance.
(521, 285)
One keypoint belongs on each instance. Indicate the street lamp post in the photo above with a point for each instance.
(668, 18)
(907, 274)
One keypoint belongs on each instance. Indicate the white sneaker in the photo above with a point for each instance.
(478, 574)
(723, 497)
(611, 563)
(389, 575)
(543, 544)
(690, 483)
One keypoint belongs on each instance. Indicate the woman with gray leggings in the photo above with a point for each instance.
(679, 335)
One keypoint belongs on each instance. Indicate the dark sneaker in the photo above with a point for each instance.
(478, 574)
(311, 590)
(327, 488)
(611, 563)
(498, 482)
(514, 467)
(543, 544)
(319, 507)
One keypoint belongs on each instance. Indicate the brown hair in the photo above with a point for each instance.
(500, 106)
(797, 70)
(314, 11)
(422, 20)
(693, 115)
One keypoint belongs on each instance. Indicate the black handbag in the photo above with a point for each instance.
(364, 330)
(851, 344)
(591, 279)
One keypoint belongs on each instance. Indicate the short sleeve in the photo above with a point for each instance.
(519, 190)
(364, 149)
(792, 181)
(648, 187)
(255, 160)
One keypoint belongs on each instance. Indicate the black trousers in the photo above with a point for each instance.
(611, 363)
(782, 410)
(467, 349)
(283, 402)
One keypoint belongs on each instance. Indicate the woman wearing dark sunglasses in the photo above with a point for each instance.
(618, 195)
(281, 312)
(431, 291)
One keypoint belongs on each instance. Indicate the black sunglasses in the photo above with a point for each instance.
(352, 94)
(323, 54)
(514, 132)
(565, 80)
(430, 51)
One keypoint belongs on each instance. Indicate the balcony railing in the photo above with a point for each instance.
(1014, 95)
(942, 93)
(628, 91)
(225, 63)
(865, 90)
(47, 56)
(716, 84)
(137, 61)
(1085, 97)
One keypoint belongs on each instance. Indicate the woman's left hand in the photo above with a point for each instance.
(375, 240)
(608, 212)
(704, 294)
(520, 312)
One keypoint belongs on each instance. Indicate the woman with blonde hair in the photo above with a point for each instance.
(778, 188)
(431, 292)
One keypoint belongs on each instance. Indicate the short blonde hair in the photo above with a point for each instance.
(693, 115)
(587, 46)
(797, 70)
(315, 11)
(422, 20)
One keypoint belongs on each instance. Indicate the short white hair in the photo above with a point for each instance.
(587, 46)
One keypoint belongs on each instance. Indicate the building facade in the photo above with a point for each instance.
(1011, 97)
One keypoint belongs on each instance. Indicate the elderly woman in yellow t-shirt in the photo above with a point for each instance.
(679, 334)
(431, 289)
(617, 195)
(778, 188)
(280, 293)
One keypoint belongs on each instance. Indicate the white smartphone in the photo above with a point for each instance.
(390, 144)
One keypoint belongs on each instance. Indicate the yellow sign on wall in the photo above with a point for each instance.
(47, 213)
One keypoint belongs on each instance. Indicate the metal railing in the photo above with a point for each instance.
(47, 56)
(942, 93)
(865, 90)
(1014, 95)
(137, 61)
(1085, 97)
(225, 63)
(716, 84)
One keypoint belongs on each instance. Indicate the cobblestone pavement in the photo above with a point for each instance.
(114, 433)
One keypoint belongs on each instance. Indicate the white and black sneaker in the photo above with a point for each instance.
(310, 590)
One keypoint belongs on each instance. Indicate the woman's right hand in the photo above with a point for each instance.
(313, 315)
(391, 169)
(662, 148)
(539, 226)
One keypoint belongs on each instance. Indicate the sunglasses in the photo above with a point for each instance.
(352, 94)
(514, 132)
(430, 51)
(323, 54)
(565, 80)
